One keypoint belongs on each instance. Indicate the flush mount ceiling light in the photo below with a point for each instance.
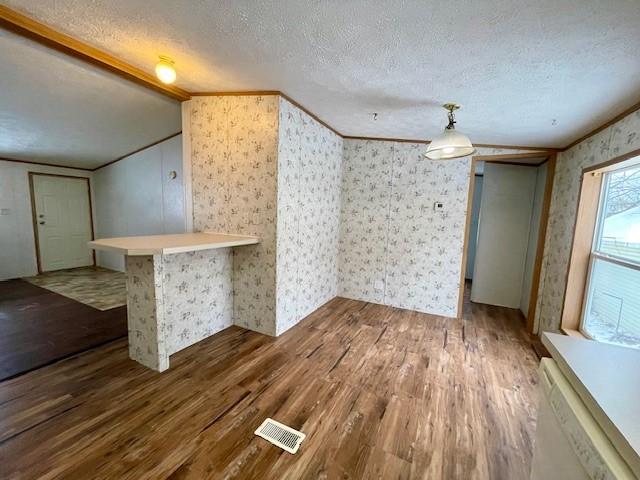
(451, 144)
(165, 71)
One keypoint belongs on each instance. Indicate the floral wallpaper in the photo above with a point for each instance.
(309, 176)
(175, 301)
(618, 139)
(147, 336)
(352, 217)
(395, 248)
(234, 142)
(198, 296)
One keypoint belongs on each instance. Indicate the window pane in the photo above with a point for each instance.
(612, 313)
(619, 230)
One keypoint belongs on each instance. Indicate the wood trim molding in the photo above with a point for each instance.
(465, 245)
(34, 216)
(27, 27)
(111, 162)
(542, 235)
(310, 113)
(512, 156)
(612, 162)
(607, 124)
(241, 93)
(578, 267)
(56, 165)
(426, 142)
(544, 221)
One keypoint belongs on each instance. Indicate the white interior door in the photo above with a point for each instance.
(503, 234)
(63, 221)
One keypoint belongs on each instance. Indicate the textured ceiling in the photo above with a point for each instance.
(55, 109)
(527, 73)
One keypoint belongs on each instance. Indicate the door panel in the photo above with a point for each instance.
(63, 221)
(503, 234)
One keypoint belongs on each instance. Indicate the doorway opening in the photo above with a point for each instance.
(507, 215)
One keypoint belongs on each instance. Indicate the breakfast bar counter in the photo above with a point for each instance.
(179, 290)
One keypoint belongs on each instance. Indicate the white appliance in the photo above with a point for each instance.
(569, 444)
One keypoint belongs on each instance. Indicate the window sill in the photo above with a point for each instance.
(574, 333)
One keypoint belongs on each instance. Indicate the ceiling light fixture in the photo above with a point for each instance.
(165, 71)
(451, 144)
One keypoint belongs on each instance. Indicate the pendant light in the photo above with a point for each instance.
(451, 144)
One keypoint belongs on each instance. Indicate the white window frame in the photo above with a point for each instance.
(596, 254)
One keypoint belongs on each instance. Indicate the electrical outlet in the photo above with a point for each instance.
(5, 211)
(378, 285)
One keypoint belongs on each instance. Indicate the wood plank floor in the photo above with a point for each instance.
(38, 326)
(380, 392)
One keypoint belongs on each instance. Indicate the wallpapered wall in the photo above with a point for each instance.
(309, 175)
(261, 166)
(234, 155)
(395, 249)
(618, 139)
(353, 218)
(168, 310)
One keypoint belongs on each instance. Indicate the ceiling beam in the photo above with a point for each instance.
(18, 23)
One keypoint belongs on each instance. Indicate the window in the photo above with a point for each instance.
(611, 310)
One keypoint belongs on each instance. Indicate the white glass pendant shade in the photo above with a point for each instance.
(451, 144)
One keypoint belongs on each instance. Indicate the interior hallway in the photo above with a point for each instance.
(380, 392)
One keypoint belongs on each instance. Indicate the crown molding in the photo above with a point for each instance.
(426, 142)
(607, 124)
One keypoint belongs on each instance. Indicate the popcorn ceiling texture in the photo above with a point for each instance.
(515, 65)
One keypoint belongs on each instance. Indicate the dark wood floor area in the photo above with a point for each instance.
(380, 392)
(38, 327)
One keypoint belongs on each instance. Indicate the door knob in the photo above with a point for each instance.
(41, 223)
(41, 215)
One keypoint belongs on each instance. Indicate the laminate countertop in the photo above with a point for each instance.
(169, 244)
(607, 379)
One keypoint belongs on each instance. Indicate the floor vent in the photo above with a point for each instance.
(280, 435)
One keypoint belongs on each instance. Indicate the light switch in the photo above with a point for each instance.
(438, 206)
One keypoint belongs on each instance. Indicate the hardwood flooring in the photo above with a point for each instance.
(38, 326)
(380, 392)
